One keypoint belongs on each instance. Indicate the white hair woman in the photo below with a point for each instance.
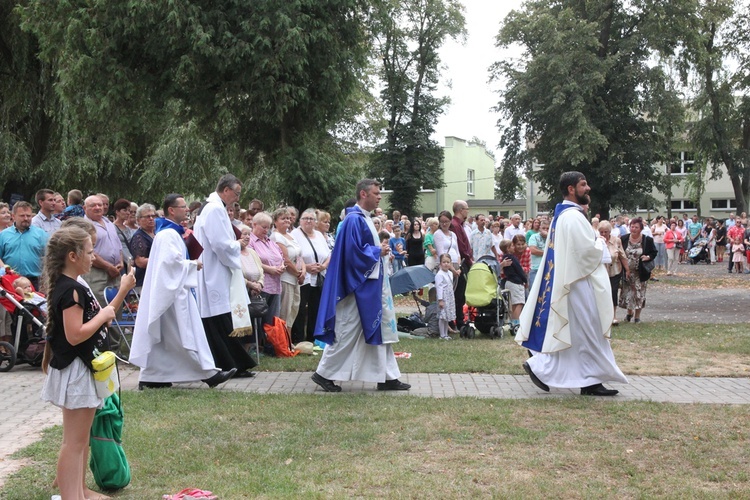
(295, 272)
(142, 239)
(430, 254)
(272, 262)
(618, 264)
(316, 256)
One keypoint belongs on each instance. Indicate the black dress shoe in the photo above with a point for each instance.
(393, 385)
(534, 378)
(153, 385)
(220, 377)
(244, 374)
(325, 384)
(598, 390)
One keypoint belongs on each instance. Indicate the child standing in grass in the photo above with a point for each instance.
(738, 254)
(446, 299)
(515, 279)
(75, 328)
(398, 249)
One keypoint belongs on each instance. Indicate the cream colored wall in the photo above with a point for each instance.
(715, 189)
(459, 157)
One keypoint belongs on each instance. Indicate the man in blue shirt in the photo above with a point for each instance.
(694, 231)
(22, 245)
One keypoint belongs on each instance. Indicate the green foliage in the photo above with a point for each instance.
(27, 131)
(715, 56)
(584, 96)
(408, 36)
(156, 96)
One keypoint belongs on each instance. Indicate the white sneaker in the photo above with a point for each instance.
(445, 338)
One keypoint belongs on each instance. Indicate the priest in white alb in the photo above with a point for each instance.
(169, 343)
(356, 318)
(567, 318)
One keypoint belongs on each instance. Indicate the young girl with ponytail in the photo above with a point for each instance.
(76, 333)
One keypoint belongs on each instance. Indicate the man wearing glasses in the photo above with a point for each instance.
(105, 271)
(169, 344)
(221, 255)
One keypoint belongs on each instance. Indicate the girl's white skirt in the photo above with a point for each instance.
(72, 387)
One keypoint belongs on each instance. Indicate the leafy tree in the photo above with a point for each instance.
(585, 96)
(28, 132)
(159, 96)
(408, 35)
(715, 57)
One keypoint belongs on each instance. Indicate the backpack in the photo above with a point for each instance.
(108, 462)
(277, 337)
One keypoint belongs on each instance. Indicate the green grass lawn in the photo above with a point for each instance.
(654, 348)
(381, 446)
(364, 446)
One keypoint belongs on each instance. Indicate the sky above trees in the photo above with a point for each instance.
(469, 114)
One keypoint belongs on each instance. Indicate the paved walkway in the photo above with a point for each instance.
(23, 416)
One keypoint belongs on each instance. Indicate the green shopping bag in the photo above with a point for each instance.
(107, 459)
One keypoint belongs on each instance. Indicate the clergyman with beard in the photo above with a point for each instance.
(567, 319)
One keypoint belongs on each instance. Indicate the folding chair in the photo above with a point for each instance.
(126, 322)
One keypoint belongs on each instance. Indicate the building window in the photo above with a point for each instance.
(684, 163)
(683, 205)
(470, 182)
(723, 204)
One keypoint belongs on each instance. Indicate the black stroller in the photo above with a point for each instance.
(699, 251)
(27, 340)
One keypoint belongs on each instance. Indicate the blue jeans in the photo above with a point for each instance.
(532, 276)
(398, 264)
(661, 257)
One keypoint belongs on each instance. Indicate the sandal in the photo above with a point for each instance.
(191, 493)
(628, 317)
(615, 323)
(637, 320)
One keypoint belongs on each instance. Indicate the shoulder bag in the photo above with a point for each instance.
(320, 279)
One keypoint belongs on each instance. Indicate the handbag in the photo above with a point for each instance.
(648, 265)
(279, 339)
(106, 378)
(257, 306)
(320, 279)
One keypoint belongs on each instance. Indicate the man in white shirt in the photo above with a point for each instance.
(481, 239)
(514, 228)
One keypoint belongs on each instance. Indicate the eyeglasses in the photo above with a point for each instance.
(308, 219)
(152, 216)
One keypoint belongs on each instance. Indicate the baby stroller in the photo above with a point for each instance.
(25, 341)
(484, 293)
(699, 251)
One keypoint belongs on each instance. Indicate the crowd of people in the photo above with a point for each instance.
(284, 255)
(199, 266)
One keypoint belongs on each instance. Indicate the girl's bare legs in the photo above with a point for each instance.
(88, 493)
(71, 464)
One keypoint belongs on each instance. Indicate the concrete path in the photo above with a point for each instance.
(23, 416)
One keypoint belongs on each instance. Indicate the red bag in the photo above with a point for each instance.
(277, 335)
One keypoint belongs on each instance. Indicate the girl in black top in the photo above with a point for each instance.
(76, 334)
